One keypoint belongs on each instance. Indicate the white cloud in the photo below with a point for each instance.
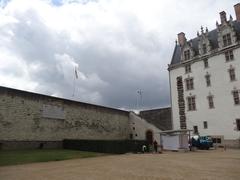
(118, 46)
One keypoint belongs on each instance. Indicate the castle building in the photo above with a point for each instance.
(205, 81)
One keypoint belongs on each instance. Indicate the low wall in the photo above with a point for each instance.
(7, 145)
(105, 146)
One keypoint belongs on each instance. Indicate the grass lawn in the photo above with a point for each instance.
(13, 157)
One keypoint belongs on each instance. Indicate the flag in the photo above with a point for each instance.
(76, 74)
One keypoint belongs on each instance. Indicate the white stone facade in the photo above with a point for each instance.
(221, 119)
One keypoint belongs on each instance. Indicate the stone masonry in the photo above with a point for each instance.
(32, 117)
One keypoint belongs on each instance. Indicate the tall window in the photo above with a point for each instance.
(227, 40)
(195, 129)
(205, 124)
(238, 124)
(188, 68)
(205, 63)
(187, 54)
(189, 83)
(232, 74)
(236, 97)
(191, 103)
(204, 48)
(208, 80)
(229, 55)
(210, 101)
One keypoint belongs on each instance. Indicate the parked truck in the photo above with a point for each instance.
(202, 142)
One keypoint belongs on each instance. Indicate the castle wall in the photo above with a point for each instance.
(30, 117)
(161, 118)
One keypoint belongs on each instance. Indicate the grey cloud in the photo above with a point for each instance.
(113, 61)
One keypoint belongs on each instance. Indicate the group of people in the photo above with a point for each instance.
(155, 146)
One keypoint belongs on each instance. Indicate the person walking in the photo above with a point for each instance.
(155, 145)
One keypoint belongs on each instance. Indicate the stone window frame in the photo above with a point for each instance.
(236, 98)
(208, 80)
(232, 73)
(210, 101)
(227, 40)
(205, 62)
(229, 56)
(187, 54)
(205, 125)
(188, 68)
(191, 103)
(189, 83)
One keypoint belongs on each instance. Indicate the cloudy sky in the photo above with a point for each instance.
(117, 46)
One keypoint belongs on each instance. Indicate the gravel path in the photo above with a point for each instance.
(213, 164)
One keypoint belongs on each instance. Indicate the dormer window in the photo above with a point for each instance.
(204, 48)
(227, 40)
(187, 54)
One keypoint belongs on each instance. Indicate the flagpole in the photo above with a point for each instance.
(74, 80)
(74, 83)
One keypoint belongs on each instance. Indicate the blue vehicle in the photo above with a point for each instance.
(202, 142)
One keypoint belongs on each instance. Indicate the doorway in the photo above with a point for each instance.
(149, 137)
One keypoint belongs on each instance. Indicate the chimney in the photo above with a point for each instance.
(223, 17)
(181, 38)
(237, 11)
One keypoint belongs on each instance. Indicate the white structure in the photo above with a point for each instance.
(175, 139)
(205, 81)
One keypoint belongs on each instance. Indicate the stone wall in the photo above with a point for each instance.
(140, 126)
(161, 118)
(29, 117)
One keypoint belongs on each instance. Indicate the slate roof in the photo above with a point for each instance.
(213, 38)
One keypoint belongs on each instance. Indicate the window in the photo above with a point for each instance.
(204, 48)
(205, 124)
(208, 80)
(236, 97)
(229, 55)
(189, 83)
(188, 68)
(238, 124)
(195, 129)
(227, 40)
(191, 103)
(217, 140)
(210, 101)
(187, 55)
(232, 74)
(205, 63)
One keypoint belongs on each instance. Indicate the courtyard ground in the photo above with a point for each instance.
(212, 164)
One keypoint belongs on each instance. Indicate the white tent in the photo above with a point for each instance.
(175, 139)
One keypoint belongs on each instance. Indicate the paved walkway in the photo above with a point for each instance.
(213, 164)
